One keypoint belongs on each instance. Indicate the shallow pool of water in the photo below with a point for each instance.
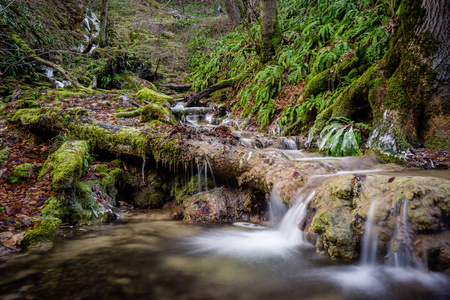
(149, 257)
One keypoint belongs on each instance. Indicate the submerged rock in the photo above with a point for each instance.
(336, 215)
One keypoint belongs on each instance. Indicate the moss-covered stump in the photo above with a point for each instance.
(219, 205)
(41, 237)
(152, 113)
(67, 164)
(152, 96)
(337, 214)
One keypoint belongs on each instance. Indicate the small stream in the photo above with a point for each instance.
(146, 256)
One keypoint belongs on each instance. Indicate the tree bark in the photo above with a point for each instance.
(271, 36)
(103, 23)
(233, 11)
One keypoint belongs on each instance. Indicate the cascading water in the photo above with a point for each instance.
(278, 241)
(91, 25)
(370, 238)
(290, 144)
(58, 83)
(400, 254)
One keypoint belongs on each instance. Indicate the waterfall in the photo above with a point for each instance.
(58, 83)
(400, 253)
(288, 226)
(370, 238)
(277, 209)
(289, 144)
(91, 25)
(210, 169)
(199, 184)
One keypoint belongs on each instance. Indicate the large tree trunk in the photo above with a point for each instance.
(233, 11)
(271, 36)
(103, 23)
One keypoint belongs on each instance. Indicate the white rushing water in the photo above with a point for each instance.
(370, 238)
(283, 242)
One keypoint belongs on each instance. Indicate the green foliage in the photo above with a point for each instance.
(318, 35)
(340, 140)
(258, 96)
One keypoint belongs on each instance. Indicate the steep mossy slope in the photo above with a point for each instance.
(364, 65)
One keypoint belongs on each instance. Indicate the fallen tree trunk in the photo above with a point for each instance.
(176, 87)
(256, 168)
(195, 100)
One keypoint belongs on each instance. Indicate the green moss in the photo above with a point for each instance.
(4, 154)
(128, 114)
(68, 164)
(168, 34)
(53, 209)
(152, 96)
(159, 146)
(42, 234)
(21, 172)
(101, 169)
(318, 84)
(28, 116)
(155, 112)
(438, 141)
(27, 104)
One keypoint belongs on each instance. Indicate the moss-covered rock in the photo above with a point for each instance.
(152, 96)
(68, 163)
(128, 114)
(154, 112)
(21, 172)
(341, 207)
(27, 104)
(41, 236)
(318, 84)
(4, 154)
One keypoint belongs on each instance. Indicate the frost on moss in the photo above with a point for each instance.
(152, 96)
(43, 234)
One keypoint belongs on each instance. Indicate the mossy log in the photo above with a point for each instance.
(255, 168)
